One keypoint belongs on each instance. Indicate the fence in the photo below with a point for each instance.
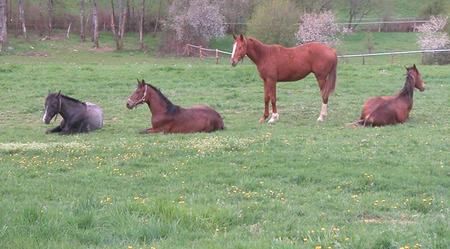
(205, 53)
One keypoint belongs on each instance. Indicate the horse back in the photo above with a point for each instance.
(295, 63)
(94, 116)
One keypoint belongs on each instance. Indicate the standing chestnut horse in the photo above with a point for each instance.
(276, 63)
(170, 118)
(389, 110)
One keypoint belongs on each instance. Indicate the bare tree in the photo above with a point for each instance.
(82, 24)
(3, 20)
(113, 27)
(120, 18)
(49, 17)
(157, 18)
(22, 19)
(141, 25)
(95, 21)
(358, 9)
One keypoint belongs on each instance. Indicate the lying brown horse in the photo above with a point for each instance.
(170, 118)
(389, 110)
(277, 64)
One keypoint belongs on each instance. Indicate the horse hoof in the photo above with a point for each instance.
(261, 120)
(143, 132)
(274, 118)
(320, 119)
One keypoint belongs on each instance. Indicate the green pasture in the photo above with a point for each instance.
(295, 184)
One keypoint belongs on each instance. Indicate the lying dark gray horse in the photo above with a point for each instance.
(77, 116)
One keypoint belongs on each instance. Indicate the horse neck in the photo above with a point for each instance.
(67, 106)
(256, 50)
(408, 88)
(155, 101)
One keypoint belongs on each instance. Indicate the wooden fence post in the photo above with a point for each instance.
(200, 52)
(392, 59)
(364, 62)
(217, 56)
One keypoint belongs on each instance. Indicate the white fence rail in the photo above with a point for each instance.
(193, 50)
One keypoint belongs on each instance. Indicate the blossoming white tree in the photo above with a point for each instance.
(431, 35)
(319, 27)
(195, 21)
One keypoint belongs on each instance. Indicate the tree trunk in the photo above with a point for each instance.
(141, 26)
(113, 27)
(95, 21)
(49, 17)
(157, 18)
(3, 20)
(82, 24)
(120, 17)
(22, 19)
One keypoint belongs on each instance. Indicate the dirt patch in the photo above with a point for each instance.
(36, 54)
(102, 50)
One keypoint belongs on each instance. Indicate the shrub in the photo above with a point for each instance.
(274, 23)
(319, 27)
(195, 21)
(432, 37)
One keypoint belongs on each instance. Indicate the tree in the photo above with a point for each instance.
(49, 17)
(434, 8)
(431, 35)
(195, 21)
(22, 19)
(358, 9)
(82, 24)
(3, 20)
(319, 27)
(95, 21)
(237, 12)
(274, 22)
(141, 25)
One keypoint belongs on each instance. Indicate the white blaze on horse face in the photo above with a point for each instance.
(234, 50)
(45, 114)
(274, 118)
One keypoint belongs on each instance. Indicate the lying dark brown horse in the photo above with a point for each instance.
(389, 110)
(276, 64)
(170, 118)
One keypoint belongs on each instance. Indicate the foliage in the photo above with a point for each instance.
(237, 12)
(431, 35)
(434, 8)
(195, 21)
(319, 27)
(273, 23)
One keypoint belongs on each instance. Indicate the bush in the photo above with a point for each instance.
(274, 23)
(195, 21)
(432, 37)
(319, 27)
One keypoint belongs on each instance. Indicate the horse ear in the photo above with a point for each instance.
(414, 66)
(143, 82)
(241, 37)
(59, 93)
(234, 37)
(138, 81)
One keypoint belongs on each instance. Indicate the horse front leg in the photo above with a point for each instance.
(52, 130)
(150, 130)
(266, 104)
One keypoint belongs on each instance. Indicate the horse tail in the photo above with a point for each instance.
(330, 82)
(358, 122)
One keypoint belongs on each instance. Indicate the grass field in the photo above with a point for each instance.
(295, 184)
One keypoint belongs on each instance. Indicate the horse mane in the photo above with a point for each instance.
(72, 99)
(171, 108)
(408, 88)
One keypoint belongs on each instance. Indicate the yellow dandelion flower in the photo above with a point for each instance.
(322, 229)
(136, 198)
(217, 230)
(305, 240)
(318, 247)
(130, 247)
(346, 238)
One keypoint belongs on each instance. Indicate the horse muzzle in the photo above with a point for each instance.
(234, 63)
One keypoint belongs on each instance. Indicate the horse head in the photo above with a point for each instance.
(138, 96)
(414, 72)
(52, 106)
(239, 49)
